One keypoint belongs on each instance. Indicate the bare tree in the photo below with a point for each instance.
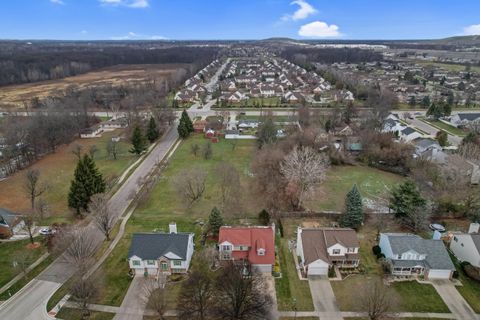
(190, 184)
(92, 151)
(33, 187)
(42, 209)
(230, 189)
(303, 168)
(78, 248)
(197, 296)
(21, 260)
(470, 151)
(241, 295)
(77, 150)
(377, 301)
(102, 215)
(112, 149)
(84, 291)
(29, 222)
(154, 296)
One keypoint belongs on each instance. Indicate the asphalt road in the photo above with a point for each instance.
(31, 301)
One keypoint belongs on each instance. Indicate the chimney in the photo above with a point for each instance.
(474, 228)
(172, 227)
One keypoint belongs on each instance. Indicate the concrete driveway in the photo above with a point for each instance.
(454, 300)
(133, 305)
(323, 298)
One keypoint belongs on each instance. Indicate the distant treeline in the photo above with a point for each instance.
(330, 55)
(31, 63)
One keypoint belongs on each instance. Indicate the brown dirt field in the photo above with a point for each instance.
(57, 171)
(16, 94)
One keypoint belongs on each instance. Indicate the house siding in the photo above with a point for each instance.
(464, 249)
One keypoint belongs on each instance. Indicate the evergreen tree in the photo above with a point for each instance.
(215, 221)
(426, 101)
(152, 131)
(353, 216)
(442, 138)
(405, 198)
(86, 182)
(267, 133)
(264, 217)
(185, 127)
(139, 143)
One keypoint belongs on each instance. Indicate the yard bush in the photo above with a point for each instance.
(331, 272)
(376, 250)
(280, 227)
(472, 272)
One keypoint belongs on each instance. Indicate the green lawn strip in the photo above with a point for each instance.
(470, 289)
(372, 183)
(26, 279)
(58, 295)
(8, 251)
(445, 127)
(416, 297)
(76, 314)
(290, 287)
(407, 296)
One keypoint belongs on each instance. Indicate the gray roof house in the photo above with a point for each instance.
(411, 255)
(155, 253)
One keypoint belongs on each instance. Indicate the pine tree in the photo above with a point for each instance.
(152, 131)
(264, 217)
(353, 216)
(139, 143)
(185, 127)
(215, 221)
(405, 199)
(86, 182)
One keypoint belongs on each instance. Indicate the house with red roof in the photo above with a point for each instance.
(255, 244)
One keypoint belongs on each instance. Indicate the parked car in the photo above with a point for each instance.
(47, 231)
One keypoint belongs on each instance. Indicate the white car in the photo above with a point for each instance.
(47, 231)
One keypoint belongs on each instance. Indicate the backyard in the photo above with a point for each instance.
(57, 171)
(374, 185)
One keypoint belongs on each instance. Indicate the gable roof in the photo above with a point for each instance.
(8, 218)
(476, 240)
(257, 237)
(151, 246)
(315, 242)
(469, 116)
(436, 254)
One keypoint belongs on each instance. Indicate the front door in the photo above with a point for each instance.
(164, 266)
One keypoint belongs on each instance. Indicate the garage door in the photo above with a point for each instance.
(439, 274)
(317, 271)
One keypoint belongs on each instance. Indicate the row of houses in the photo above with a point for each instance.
(194, 88)
(317, 249)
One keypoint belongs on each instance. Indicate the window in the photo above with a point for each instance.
(261, 252)
(151, 262)
(226, 256)
(177, 263)
(351, 250)
(226, 248)
(455, 239)
(399, 257)
(336, 251)
(136, 263)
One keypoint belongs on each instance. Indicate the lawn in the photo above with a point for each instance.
(407, 296)
(374, 185)
(57, 170)
(164, 199)
(448, 66)
(9, 250)
(446, 127)
(470, 289)
(75, 314)
(290, 287)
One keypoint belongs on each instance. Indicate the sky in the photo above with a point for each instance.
(237, 19)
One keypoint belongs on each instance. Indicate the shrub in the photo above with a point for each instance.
(331, 272)
(472, 272)
(376, 250)
(380, 256)
(264, 217)
(280, 227)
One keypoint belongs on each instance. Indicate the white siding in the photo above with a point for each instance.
(464, 249)
(264, 268)
(385, 246)
(337, 246)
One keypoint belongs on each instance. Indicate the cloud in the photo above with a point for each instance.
(304, 11)
(319, 29)
(135, 36)
(57, 1)
(472, 30)
(126, 3)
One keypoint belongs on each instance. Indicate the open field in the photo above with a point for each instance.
(57, 170)
(447, 66)
(9, 251)
(15, 95)
(374, 186)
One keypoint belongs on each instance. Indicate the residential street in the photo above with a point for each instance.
(30, 302)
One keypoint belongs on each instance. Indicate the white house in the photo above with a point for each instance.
(321, 248)
(155, 253)
(411, 255)
(466, 246)
(461, 119)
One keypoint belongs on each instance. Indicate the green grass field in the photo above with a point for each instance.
(470, 289)
(408, 296)
(373, 183)
(75, 314)
(448, 67)
(290, 287)
(446, 127)
(8, 252)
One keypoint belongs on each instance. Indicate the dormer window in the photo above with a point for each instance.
(226, 248)
(336, 251)
(351, 250)
(261, 252)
